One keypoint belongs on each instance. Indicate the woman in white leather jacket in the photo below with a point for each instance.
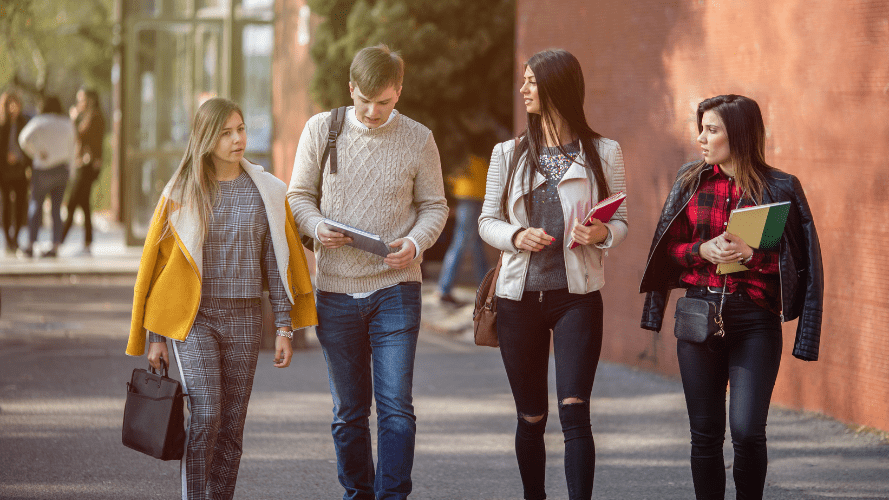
(538, 187)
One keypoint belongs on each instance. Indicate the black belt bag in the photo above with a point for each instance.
(697, 320)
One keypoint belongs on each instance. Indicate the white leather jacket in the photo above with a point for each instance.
(584, 265)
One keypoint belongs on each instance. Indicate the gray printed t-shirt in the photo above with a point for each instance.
(546, 270)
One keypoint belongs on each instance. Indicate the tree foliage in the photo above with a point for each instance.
(458, 56)
(54, 46)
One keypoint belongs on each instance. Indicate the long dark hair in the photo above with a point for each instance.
(5, 99)
(560, 88)
(52, 105)
(746, 141)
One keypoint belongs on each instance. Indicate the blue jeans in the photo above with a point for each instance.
(749, 362)
(370, 345)
(523, 328)
(52, 182)
(465, 231)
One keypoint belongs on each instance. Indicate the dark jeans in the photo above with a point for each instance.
(749, 362)
(523, 330)
(49, 182)
(14, 210)
(370, 345)
(80, 197)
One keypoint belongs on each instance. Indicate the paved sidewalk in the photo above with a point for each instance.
(62, 373)
(110, 255)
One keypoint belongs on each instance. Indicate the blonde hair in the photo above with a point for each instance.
(194, 185)
(374, 69)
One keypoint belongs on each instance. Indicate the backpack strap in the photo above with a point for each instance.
(337, 117)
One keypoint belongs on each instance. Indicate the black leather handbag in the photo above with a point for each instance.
(698, 320)
(153, 417)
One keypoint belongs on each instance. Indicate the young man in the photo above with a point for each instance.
(388, 182)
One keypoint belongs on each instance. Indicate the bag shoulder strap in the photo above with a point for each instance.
(337, 118)
(493, 287)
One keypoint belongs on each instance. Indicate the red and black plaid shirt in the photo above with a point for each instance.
(705, 217)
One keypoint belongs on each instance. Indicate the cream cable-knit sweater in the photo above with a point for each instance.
(388, 182)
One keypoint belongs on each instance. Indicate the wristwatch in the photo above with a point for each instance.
(284, 333)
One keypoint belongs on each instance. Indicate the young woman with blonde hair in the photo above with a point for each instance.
(221, 230)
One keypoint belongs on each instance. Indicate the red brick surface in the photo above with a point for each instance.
(820, 72)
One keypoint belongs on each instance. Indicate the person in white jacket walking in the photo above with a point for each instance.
(538, 186)
(49, 140)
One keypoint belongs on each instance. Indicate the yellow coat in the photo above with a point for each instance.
(168, 286)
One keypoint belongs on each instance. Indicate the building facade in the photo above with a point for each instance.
(172, 55)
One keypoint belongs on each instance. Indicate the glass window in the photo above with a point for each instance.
(211, 8)
(257, 43)
(208, 61)
(254, 7)
(143, 197)
(163, 80)
(142, 8)
(180, 8)
(174, 62)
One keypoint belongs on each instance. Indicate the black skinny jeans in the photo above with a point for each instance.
(749, 362)
(80, 197)
(14, 211)
(523, 330)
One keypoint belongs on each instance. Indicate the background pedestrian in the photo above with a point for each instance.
(14, 164)
(49, 140)
(90, 125)
(468, 187)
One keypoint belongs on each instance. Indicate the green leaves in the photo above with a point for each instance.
(53, 46)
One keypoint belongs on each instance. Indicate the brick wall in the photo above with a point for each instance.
(820, 72)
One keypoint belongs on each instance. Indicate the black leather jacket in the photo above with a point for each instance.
(800, 272)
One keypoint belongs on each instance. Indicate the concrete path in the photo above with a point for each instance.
(62, 384)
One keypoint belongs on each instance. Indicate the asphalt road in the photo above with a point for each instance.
(62, 385)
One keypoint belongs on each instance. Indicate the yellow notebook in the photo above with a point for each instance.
(760, 227)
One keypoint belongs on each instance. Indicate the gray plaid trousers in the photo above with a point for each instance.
(218, 360)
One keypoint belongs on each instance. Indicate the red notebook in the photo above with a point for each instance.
(603, 211)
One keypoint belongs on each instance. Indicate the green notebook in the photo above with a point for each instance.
(760, 227)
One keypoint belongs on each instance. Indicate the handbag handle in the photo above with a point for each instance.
(164, 367)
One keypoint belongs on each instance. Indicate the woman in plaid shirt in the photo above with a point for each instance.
(222, 229)
(780, 284)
